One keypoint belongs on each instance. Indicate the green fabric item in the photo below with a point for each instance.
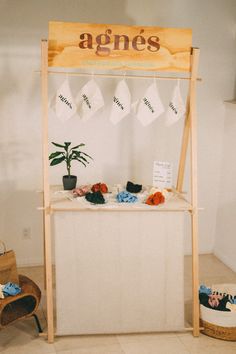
(95, 198)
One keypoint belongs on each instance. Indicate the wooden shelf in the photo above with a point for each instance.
(63, 201)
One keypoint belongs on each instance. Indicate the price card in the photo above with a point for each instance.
(162, 174)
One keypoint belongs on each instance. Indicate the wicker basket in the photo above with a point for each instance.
(212, 330)
(219, 324)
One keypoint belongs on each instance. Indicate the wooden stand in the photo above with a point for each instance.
(190, 131)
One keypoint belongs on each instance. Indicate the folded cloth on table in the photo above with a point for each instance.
(95, 198)
(81, 191)
(133, 188)
(163, 191)
(155, 199)
(126, 197)
(102, 187)
(11, 289)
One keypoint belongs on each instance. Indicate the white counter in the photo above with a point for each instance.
(118, 271)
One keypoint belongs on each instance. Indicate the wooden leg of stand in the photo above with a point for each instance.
(195, 276)
(49, 288)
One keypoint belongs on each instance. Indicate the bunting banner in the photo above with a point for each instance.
(121, 104)
(89, 100)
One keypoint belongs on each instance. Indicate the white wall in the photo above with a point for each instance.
(225, 246)
(131, 148)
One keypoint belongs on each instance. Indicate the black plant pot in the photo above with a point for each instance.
(69, 182)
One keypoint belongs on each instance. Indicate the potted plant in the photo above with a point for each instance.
(69, 154)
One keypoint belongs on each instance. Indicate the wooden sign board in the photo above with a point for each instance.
(107, 46)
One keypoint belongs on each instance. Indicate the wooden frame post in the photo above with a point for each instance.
(185, 137)
(46, 194)
(190, 130)
(194, 213)
(184, 148)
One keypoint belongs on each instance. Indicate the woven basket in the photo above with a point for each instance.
(212, 330)
(219, 324)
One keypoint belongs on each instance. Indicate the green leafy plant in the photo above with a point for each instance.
(68, 155)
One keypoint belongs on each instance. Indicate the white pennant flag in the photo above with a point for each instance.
(149, 106)
(65, 106)
(176, 109)
(121, 102)
(89, 99)
(134, 107)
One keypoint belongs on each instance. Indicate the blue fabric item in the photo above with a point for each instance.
(11, 289)
(233, 301)
(126, 197)
(204, 290)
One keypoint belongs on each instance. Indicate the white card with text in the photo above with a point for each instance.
(162, 174)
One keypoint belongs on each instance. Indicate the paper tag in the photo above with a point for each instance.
(162, 174)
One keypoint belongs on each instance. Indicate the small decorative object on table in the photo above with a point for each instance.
(68, 155)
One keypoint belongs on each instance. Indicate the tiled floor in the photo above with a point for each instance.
(22, 338)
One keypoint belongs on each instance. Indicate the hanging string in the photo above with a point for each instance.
(70, 73)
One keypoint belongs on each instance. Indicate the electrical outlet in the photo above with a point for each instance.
(26, 233)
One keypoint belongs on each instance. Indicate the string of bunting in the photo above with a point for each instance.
(90, 99)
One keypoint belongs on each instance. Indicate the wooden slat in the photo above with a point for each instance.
(194, 214)
(184, 148)
(46, 195)
(185, 141)
(78, 45)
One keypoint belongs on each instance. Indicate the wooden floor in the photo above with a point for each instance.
(22, 338)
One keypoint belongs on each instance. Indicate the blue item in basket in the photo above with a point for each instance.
(126, 197)
(11, 289)
(204, 290)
